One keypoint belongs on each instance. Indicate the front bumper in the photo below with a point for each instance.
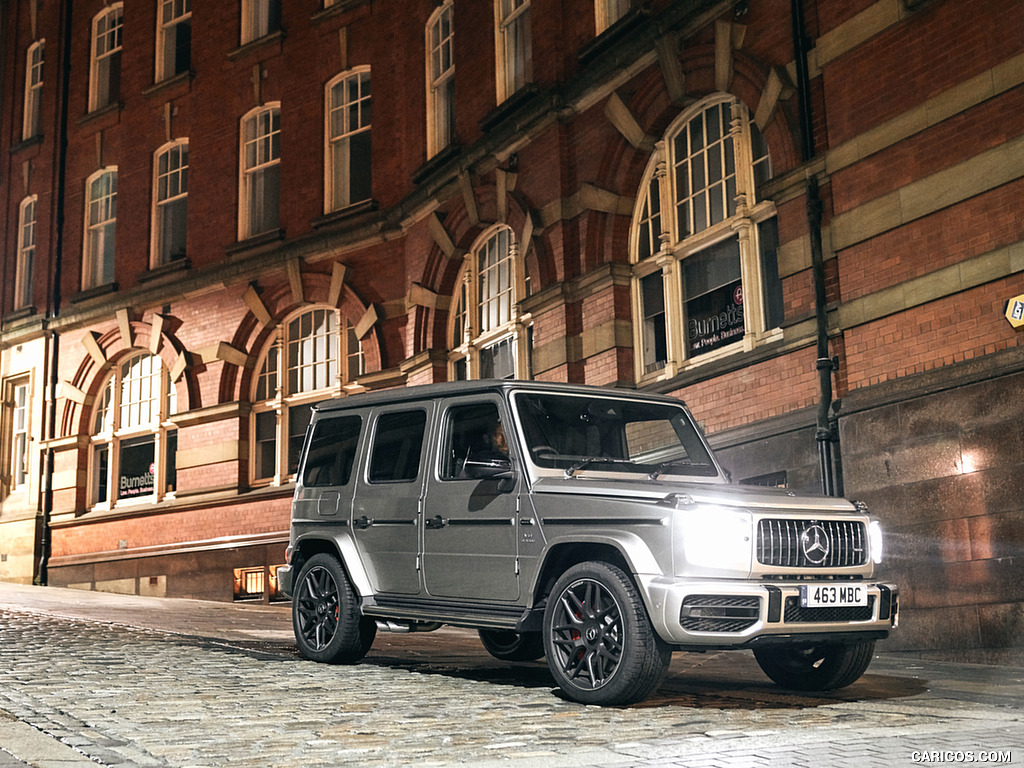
(734, 614)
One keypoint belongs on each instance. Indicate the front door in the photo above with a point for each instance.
(385, 519)
(470, 525)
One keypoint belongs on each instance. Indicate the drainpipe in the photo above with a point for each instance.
(53, 310)
(825, 427)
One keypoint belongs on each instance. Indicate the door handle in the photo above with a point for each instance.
(437, 522)
(362, 522)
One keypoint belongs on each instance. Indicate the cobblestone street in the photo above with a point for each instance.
(125, 690)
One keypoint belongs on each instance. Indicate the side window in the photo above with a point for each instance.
(397, 446)
(332, 452)
(471, 431)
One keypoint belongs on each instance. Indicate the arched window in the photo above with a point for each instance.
(311, 356)
(100, 227)
(259, 207)
(348, 150)
(133, 442)
(170, 203)
(105, 64)
(488, 338)
(440, 79)
(26, 253)
(703, 242)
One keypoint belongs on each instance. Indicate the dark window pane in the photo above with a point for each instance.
(397, 445)
(332, 451)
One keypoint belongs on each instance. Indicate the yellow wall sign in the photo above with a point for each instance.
(1015, 311)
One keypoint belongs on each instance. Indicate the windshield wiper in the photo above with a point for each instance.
(656, 473)
(570, 471)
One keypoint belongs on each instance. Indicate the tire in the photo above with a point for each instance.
(598, 639)
(325, 614)
(507, 645)
(817, 668)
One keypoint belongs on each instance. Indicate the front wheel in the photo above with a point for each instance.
(815, 668)
(600, 645)
(325, 614)
(507, 645)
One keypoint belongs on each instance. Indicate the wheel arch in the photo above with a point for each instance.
(631, 555)
(343, 549)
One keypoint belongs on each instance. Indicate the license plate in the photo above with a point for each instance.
(833, 595)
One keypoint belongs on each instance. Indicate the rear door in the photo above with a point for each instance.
(470, 526)
(385, 513)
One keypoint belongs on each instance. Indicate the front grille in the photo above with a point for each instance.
(795, 614)
(719, 613)
(811, 543)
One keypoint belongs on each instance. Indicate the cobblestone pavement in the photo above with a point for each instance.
(76, 691)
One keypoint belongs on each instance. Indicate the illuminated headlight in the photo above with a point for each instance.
(875, 541)
(717, 538)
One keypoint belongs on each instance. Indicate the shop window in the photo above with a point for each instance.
(704, 243)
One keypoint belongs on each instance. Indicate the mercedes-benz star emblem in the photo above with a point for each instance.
(815, 544)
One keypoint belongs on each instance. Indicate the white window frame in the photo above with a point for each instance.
(440, 48)
(27, 217)
(100, 228)
(170, 15)
(660, 246)
(607, 12)
(17, 404)
(295, 371)
(485, 313)
(513, 46)
(257, 16)
(107, 28)
(170, 189)
(136, 403)
(348, 120)
(34, 60)
(259, 177)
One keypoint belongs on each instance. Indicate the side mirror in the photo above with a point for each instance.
(496, 468)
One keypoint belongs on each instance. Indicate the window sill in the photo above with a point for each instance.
(94, 293)
(98, 115)
(182, 82)
(337, 9)
(275, 37)
(611, 35)
(509, 106)
(348, 214)
(31, 141)
(256, 242)
(20, 314)
(435, 163)
(170, 269)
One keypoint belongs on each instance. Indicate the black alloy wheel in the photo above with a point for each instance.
(599, 642)
(815, 668)
(325, 614)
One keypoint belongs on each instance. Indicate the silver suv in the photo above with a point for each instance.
(590, 526)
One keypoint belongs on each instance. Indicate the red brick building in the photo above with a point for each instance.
(800, 217)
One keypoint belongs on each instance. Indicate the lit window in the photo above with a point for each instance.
(101, 222)
(607, 12)
(348, 140)
(133, 445)
(440, 80)
(171, 203)
(33, 90)
(312, 356)
(260, 197)
(514, 46)
(26, 253)
(488, 339)
(105, 70)
(260, 18)
(173, 38)
(703, 243)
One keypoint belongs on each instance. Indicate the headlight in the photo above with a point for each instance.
(875, 541)
(717, 538)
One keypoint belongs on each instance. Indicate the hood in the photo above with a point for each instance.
(720, 494)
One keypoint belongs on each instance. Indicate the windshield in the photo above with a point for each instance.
(576, 433)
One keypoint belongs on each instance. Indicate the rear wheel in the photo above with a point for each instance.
(599, 642)
(815, 668)
(325, 614)
(507, 645)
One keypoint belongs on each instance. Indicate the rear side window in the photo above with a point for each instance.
(332, 451)
(397, 446)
